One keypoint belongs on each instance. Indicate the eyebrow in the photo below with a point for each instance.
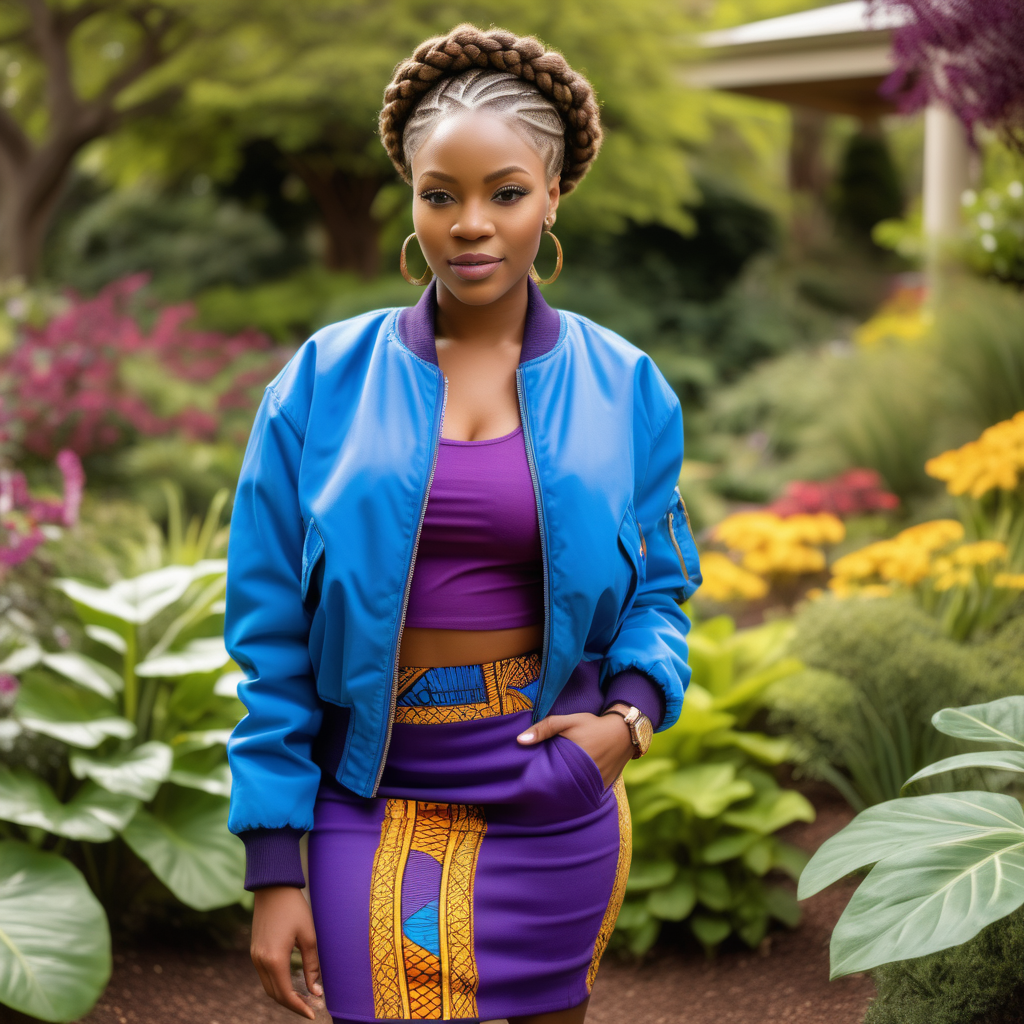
(490, 177)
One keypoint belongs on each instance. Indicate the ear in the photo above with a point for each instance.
(554, 192)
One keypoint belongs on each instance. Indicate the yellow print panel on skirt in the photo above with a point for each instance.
(421, 911)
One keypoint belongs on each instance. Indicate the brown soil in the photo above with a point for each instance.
(783, 982)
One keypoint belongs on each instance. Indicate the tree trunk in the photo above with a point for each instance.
(26, 210)
(344, 201)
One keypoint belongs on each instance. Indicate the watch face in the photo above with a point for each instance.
(644, 733)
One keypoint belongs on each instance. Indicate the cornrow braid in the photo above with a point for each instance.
(468, 48)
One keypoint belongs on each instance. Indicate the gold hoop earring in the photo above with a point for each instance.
(535, 277)
(428, 274)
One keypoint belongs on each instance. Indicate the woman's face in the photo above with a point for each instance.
(481, 201)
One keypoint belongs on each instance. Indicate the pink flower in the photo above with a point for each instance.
(8, 685)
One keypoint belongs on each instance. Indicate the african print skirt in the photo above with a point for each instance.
(484, 880)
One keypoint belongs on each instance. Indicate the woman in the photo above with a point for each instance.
(457, 552)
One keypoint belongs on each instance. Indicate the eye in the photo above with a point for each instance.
(511, 193)
(437, 197)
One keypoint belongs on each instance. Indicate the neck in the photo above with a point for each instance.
(496, 323)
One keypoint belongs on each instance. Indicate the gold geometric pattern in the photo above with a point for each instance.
(611, 913)
(504, 681)
(409, 982)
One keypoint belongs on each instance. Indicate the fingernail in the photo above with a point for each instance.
(526, 736)
(318, 990)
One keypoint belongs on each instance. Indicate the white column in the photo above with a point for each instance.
(946, 161)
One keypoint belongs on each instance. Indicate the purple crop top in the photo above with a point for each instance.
(478, 565)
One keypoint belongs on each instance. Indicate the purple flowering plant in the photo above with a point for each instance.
(967, 54)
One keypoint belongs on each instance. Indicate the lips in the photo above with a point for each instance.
(475, 266)
(474, 259)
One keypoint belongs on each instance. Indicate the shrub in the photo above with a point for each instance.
(877, 670)
(978, 982)
(704, 807)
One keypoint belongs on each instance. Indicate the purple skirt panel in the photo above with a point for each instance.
(484, 880)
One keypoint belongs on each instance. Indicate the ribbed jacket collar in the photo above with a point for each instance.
(416, 325)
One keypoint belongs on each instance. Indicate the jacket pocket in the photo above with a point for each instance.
(312, 567)
(685, 546)
(634, 546)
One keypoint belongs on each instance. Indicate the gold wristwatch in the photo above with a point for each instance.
(640, 729)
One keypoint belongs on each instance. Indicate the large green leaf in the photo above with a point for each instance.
(54, 941)
(189, 742)
(706, 789)
(141, 599)
(137, 773)
(999, 721)
(644, 875)
(93, 815)
(766, 749)
(1001, 760)
(751, 687)
(912, 823)
(930, 897)
(189, 848)
(87, 672)
(206, 654)
(75, 716)
(674, 902)
(216, 780)
(771, 811)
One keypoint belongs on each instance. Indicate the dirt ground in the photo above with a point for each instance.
(783, 982)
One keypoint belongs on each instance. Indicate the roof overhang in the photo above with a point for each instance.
(833, 58)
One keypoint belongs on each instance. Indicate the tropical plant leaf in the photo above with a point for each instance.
(227, 684)
(726, 847)
(141, 599)
(206, 654)
(713, 889)
(674, 902)
(75, 716)
(1000, 760)
(771, 811)
(644, 875)
(911, 822)
(216, 781)
(137, 773)
(706, 789)
(87, 672)
(766, 749)
(93, 815)
(753, 686)
(21, 659)
(189, 848)
(54, 940)
(189, 742)
(108, 637)
(710, 929)
(999, 721)
(931, 897)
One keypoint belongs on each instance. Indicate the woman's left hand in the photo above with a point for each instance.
(604, 737)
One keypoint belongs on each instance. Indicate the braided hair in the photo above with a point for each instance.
(470, 68)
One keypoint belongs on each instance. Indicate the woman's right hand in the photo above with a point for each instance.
(282, 920)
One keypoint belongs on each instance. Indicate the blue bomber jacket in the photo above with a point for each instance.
(327, 515)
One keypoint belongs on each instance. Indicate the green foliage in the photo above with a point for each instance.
(979, 336)
(186, 242)
(45, 907)
(994, 244)
(140, 716)
(704, 807)
(945, 865)
(868, 187)
(876, 672)
(978, 982)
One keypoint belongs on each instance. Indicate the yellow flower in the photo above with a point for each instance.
(994, 460)
(726, 581)
(1009, 580)
(933, 535)
(960, 577)
(875, 590)
(772, 544)
(980, 553)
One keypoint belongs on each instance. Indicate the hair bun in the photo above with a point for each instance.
(467, 47)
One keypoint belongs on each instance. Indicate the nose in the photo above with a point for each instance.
(472, 222)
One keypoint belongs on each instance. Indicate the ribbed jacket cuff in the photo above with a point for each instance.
(272, 857)
(633, 687)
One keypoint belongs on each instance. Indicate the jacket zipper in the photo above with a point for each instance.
(408, 586)
(675, 544)
(524, 416)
